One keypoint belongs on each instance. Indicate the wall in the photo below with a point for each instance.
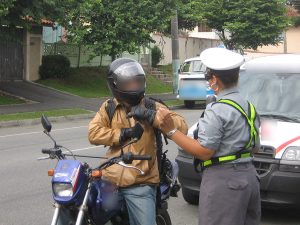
(188, 47)
(293, 45)
(32, 54)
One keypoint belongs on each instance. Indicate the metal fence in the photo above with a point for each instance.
(80, 56)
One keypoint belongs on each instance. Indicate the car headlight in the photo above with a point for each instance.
(291, 153)
(290, 161)
(63, 189)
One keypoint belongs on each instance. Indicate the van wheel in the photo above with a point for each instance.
(189, 104)
(189, 197)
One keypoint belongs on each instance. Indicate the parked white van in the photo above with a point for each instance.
(191, 83)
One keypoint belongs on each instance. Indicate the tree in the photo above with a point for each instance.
(244, 23)
(188, 15)
(5, 6)
(25, 13)
(113, 27)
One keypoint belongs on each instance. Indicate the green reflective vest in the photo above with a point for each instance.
(250, 119)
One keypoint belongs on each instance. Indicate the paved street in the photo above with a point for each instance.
(25, 190)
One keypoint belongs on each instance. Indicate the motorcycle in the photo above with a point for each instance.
(82, 197)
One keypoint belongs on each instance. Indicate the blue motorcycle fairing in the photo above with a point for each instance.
(70, 172)
(103, 201)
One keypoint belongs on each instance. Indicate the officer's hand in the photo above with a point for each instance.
(141, 113)
(132, 132)
(165, 121)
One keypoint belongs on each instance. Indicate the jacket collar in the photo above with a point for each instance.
(118, 103)
(226, 92)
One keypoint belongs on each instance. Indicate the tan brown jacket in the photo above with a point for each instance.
(102, 132)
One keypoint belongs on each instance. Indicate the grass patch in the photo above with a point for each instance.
(155, 86)
(34, 115)
(90, 82)
(167, 69)
(9, 100)
(174, 103)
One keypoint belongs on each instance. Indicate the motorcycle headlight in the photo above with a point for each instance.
(291, 153)
(63, 189)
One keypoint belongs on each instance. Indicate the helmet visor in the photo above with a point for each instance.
(134, 84)
(129, 70)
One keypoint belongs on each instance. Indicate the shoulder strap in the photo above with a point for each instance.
(110, 109)
(250, 119)
(150, 103)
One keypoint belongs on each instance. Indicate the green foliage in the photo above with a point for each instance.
(54, 66)
(5, 6)
(113, 27)
(296, 21)
(156, 55)
(26, 13)
(188, 15)
(249, 23)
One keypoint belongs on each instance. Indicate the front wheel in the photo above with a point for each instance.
(163, 218)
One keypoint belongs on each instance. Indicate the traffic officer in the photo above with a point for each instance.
(227, 138)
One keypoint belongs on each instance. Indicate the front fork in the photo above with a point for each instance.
(56, 213)
(83, 206)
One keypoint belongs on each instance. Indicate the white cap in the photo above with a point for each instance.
(221, 59)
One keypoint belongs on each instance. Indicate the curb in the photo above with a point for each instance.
(30, 122)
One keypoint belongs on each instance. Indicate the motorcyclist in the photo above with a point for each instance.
(127, 81)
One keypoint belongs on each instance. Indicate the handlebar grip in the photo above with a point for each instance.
(141, 157)
(46, 151)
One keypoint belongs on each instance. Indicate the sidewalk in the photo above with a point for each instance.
(43, 98)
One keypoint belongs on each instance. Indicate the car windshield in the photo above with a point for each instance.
(193, 66)
(274, 95)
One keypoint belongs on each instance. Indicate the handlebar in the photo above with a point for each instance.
(53, 153)
(129, 157)
(141, 157)
(47, 150)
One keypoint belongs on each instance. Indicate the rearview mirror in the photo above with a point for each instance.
(46, 124)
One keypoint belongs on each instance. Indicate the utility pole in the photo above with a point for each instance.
(175, 52)
(284, 43)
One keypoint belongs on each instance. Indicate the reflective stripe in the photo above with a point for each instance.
(226, 159)
(207, 163)
(250, 119)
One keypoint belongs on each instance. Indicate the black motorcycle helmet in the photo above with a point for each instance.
(122, 72)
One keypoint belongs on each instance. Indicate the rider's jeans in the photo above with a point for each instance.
(140, 202)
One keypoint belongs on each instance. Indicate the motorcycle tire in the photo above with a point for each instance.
(163, 218)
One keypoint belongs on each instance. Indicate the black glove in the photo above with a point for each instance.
(141, 113)
(132, 132)
(196, 131)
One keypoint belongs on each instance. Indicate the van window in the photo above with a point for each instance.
(193, 66)
(272, 93)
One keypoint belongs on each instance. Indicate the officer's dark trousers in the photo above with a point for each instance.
(229, 195)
